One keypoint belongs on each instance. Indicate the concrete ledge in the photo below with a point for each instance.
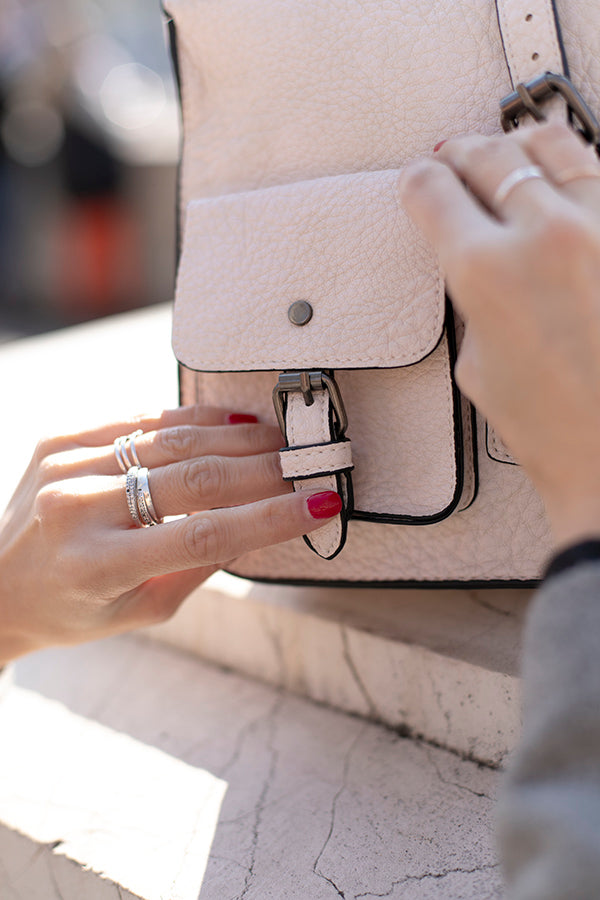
(103, 744)
(80, 790)
(439, 664)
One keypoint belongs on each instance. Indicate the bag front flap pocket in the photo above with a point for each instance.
(328, 273)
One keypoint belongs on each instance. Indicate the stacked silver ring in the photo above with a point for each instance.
(139, 499)
(125, 451)
(131, 494)
(144, 499)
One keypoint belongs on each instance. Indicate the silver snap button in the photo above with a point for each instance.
(300, 312)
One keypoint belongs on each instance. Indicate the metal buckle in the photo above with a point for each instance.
(306, 383)
(526, 100)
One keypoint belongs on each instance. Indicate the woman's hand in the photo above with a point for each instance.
(524, 272)
(74, 567)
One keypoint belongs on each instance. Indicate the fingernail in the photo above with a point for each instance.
(324, 505)
(240, 418)
(438, 146)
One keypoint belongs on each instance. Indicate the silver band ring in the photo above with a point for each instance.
(131, 440)
(122, 446)
(508, 184)
(145, 505)
(118, 442)
(131, 495)
(576, 172)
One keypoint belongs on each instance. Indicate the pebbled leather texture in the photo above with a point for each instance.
(343, 244)
(274, 95)
(318, 459)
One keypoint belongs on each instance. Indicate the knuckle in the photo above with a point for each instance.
(61, 502)
(51, 503)
(176, 442)
(549, 131)
(203, 541)
(562, 234)
(482, 152)
(205, 477)
(48, 470)
(419, 177)
(45, 447)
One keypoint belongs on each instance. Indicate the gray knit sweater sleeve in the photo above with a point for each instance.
(549, 814)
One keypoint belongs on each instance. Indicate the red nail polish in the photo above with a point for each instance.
(438, 146)
(240, 418)
(324, 505)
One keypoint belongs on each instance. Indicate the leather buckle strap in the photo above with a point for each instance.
(306, 383)
(312, 417)
(528, 99)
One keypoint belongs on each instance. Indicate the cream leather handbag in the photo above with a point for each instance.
(304, 293)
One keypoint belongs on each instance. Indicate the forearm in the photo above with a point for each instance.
(549, 815)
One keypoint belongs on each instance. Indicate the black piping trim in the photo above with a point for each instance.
(174, 52)
(490, 455)
(318, 474)
(475, 459)
(446, 585)
(459, 468)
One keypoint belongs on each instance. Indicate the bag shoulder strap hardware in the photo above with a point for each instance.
(526, 99)
(538, 68)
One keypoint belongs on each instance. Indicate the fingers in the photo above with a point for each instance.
(211, 481)
(170, 418)
(438, 202)
(572, 164)
(185, 487)
(484, 164)
(167, 445)
(212, 538)
(156, 599)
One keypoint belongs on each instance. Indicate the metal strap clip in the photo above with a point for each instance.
(307, 382)
(527, 100)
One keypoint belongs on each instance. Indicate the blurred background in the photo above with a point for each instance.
(89, 141)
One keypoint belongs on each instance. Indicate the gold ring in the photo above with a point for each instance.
(576, 172)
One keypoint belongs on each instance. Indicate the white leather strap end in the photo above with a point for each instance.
(306, 426)
(318, 459)
(530, 38)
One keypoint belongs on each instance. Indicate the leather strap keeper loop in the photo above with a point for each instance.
(316, 459)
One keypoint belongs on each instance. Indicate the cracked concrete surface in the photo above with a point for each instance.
(437, 664)
(317, 805)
